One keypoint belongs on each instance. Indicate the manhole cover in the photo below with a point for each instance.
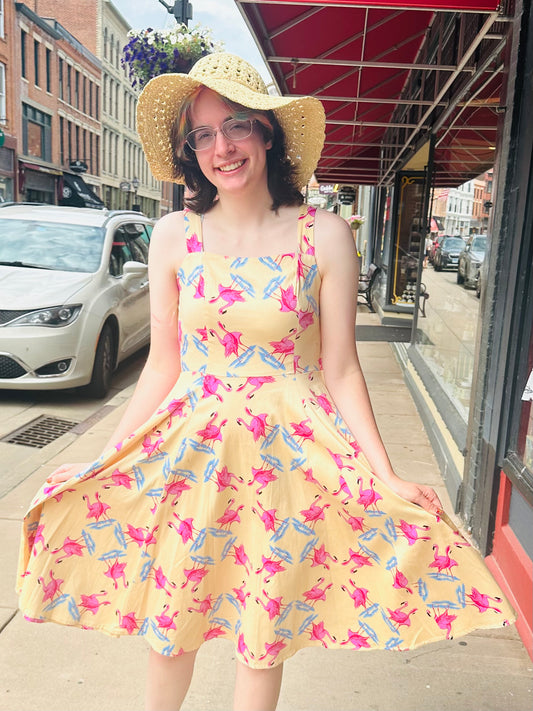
(40, 432)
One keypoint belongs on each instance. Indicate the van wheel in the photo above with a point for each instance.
(104, 364)
(460, 278)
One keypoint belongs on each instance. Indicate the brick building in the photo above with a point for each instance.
(8, 140)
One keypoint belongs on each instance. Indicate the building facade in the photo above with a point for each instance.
(8, 134)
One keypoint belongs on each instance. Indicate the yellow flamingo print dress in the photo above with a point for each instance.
(243, 508)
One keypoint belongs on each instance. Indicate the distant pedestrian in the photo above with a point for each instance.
(246, 493)
(427, 251)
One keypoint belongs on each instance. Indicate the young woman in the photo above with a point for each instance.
(247, 493)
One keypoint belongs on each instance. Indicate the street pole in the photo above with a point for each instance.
(182, 11)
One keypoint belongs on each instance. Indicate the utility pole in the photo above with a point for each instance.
(182, 11)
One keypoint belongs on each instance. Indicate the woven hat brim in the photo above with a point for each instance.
(301, 118)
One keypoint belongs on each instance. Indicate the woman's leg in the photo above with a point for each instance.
(257, 689)
(168, 680)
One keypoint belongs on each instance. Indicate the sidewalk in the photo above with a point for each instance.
(49, 668)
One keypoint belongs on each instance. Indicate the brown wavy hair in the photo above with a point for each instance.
(281, 174)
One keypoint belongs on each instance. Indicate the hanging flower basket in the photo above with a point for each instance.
(355, 221)
(149, 52)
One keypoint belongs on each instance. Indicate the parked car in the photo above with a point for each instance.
(447, 253)
(471, 259)
(74, 296)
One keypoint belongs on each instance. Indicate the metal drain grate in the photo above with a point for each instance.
(40, 432)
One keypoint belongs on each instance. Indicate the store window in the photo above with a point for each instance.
(36, 133)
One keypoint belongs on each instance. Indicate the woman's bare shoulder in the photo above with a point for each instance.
(168, 237)
(334, 240)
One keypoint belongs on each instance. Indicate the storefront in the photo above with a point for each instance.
(7, 169)
(76, 193)
(39, 183)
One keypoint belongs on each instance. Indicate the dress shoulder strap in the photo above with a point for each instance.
(193, 231)
(306, 230)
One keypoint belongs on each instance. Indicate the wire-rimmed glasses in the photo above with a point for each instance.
(199, 139)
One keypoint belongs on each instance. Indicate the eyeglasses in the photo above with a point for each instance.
(199, 139)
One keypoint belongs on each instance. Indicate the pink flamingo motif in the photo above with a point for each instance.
(345, 489)
(410, 531)
(97, 510)
(320, 556)
(229, 295)
(359, 641)
(185, 527)
(482, 601)
(256, 382)
(202, 332)
(70, 547)
(242, 648)
(174, 409)
(164, 621)
(241, 595)
(314, 513)
(200, 288)
(368, 498)
(400, 582)
(231, 341)
(323, 402)
(128, 622)
(116, 571)
(211, 432)
(204, 606)
(442, 562)
(358, 595)
(302, 431)
(399, 616)
(444, 620)
(283, 348)
(223, 479)
(263, 477)
(37, 537)
(161, 580)
(273, 605)
(241, 558)
(230, 515)
(309, 477)
(194, 576)
(91, 603)
(272, 650)
(52, 588)
(210, 385)
(118, 478)
(267, 516)
(358, 559)
(193, 244)
(356, 448)
(356, 523)
(271, 567)
(149, 447)
(141, 536)
(305, 319)
(287, 299)
(337, 458)
(258, 424)
(319, 633)
(316, 593)
(214, 632)
(175, 488)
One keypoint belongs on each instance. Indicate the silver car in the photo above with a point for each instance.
(74, 296)
(471, 259)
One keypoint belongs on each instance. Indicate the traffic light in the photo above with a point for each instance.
(182, 11)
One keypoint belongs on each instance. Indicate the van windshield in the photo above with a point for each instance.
(51, 245)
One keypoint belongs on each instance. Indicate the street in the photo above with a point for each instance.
(20, 407)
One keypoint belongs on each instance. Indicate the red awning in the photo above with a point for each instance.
(390, 76)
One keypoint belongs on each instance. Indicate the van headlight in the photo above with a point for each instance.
(54, 316)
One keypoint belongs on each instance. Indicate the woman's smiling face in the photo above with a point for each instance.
(229, 165)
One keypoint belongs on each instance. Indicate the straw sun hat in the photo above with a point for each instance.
(302, 118)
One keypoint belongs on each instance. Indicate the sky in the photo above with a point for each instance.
(221, 16)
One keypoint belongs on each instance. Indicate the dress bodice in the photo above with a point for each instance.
(249, 316)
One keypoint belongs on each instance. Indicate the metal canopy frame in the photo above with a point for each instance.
(391, 77)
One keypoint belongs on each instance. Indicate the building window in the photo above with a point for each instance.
(36, 133)
(1, 18)
(61, 140)
(2, 93)
(36, 53)
(69, 134)
(90, 98)
(78, 154)
(60, 79)
(97, 103)
(84, 95)
(23, 49)
(77, 90)
(69, 84)
(49, 70)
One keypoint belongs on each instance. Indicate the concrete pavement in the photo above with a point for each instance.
(49, 668)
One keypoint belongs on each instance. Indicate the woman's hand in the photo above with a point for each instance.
(66, 471)
(419, 494)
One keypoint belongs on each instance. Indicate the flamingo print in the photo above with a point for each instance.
(319, 633)
(70, 547)
(241, 557)
(97, 510)
(302, 432)
(399, 616)
(241, 595)
(273, 605)
(410, 531)
(283, 348)
(36, 537)
(185, 527)
(273, 650)
(271, 567)
(400, 582)
(204, 606)
(316, 593)
(444, 620)
(166, 622)
(482, 601)
(175, 489)
(358, 559)
(175, 408)
(345, 489)
(212, 432)
(210, 385)
(223, 479)
(337, 458)
(229, 295)
(256, 382)
(263, 477)
(161, 581)
(150, 447)
(320, 556)
(115, 572)
(267, 516)
(368, 498)
(214, 632)
(128, 622)
(51, 588)
(356, 523)
(314, 513)
(358, 595)
(257, 425)
(118, 478)
(242, 648)
(91, 603)
(442, 562)
(231, 340)
(194, 576)
(359, 641)
(230, 515)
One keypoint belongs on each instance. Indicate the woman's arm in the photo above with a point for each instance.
(162, 367)
(339, 270)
